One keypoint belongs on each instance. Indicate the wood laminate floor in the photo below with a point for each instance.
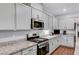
(63, 51)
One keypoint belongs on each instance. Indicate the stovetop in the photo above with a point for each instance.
(38, 40)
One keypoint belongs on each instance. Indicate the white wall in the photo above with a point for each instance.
(15, 35)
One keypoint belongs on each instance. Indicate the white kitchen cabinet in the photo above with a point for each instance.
(67, 23)
(68, 40)
(7, 14)
(55, 23)
(64, 40)
(37, 14)
(38, 6)
(56, 42)
(30, 51)
(23, 17)
(50, 22)
(53, 44)
(46, 21)
(62, 24)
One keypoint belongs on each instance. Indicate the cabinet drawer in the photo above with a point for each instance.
(29, 50)
(32, 53)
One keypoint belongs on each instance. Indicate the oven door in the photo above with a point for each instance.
(43, 49)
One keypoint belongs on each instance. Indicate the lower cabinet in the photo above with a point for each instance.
(53, 44)
(28, 51)
(32, 53)
(68, 40)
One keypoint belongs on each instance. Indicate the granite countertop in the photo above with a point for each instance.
(11, 48)
(50, 36)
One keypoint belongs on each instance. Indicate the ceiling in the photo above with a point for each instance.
(61, 8)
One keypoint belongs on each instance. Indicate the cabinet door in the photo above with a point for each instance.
(70, 41)
(45, 19)
(55, 23)
(31, 50)
(67, 23)
(50, 22)
(64, 40)
(56, 42)
(7, 13)
(62, 24)
(51, 45)
(37, 14)
(23, 17)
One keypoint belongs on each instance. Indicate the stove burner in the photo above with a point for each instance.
(38, 40)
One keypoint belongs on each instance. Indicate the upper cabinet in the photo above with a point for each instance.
(67, 23)
(39, 15)
(23, 17)
(38, 6)
(55, 23)
(46, 21)
(18, 16)
(50, 22)
(36, 14)
(7, 14)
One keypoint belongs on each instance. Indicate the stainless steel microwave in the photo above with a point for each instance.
(37, 24)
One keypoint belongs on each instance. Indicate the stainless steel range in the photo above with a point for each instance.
(42, 44)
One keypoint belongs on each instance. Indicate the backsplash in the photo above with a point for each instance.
(15, 35)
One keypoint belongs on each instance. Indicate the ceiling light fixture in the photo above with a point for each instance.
(64, 9)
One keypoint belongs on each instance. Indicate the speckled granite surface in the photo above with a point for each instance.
(11, 47)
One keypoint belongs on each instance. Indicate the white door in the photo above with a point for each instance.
(23, 17)
(7, 13)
